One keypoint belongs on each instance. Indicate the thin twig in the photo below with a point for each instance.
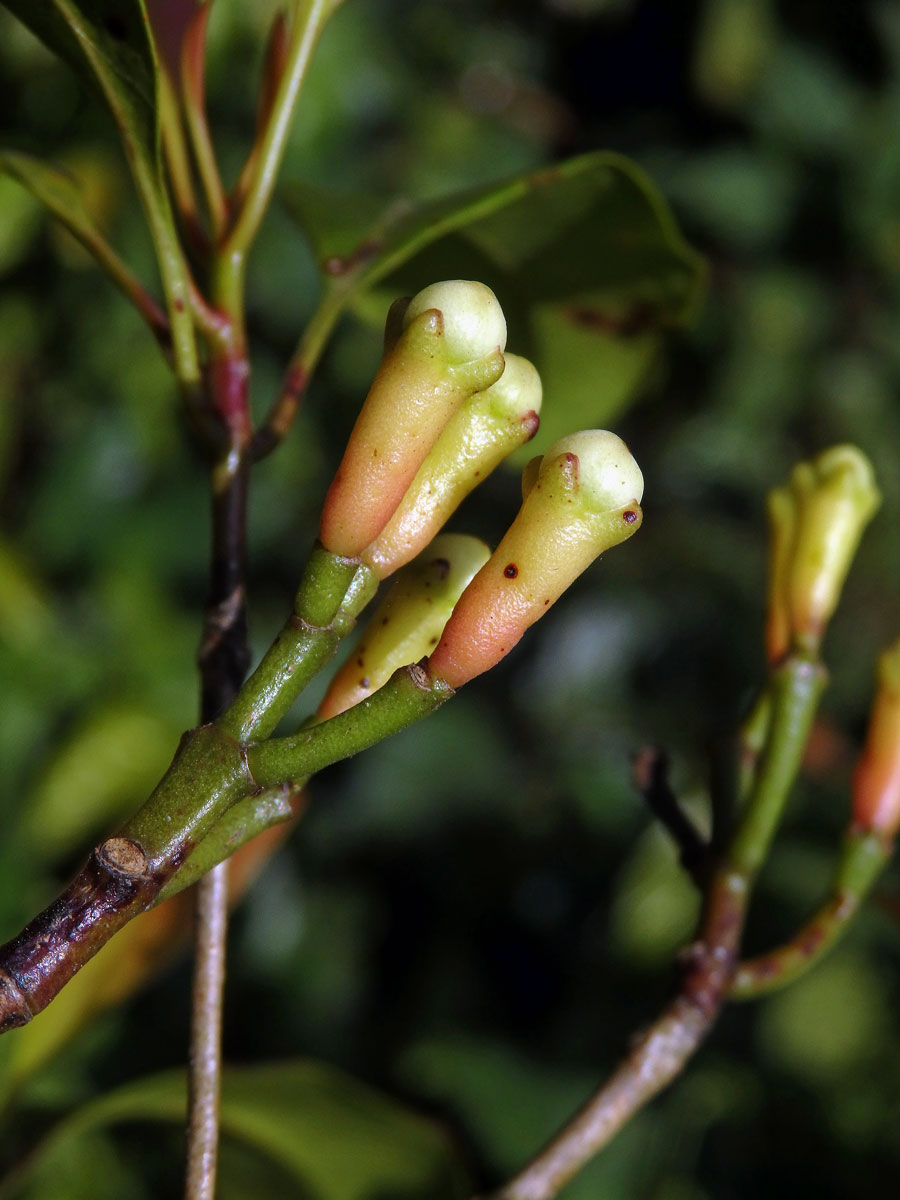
(661, 1052)
(657, 1056)
(205, 1064)
(223, 660)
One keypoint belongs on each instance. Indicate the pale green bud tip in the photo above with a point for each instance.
(518, 390)
(608, 476)
(474, 325)
(848, 468)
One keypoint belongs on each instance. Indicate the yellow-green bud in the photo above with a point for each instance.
(585, 500)
(423, 379)
(488, 427)
(410, 619)
(816, 523)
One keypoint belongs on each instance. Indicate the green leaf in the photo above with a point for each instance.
(585, 256)
(96, 777)
(334, 1137)
(57, 191)
(108, 44)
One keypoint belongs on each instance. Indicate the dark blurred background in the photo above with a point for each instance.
(475, 915)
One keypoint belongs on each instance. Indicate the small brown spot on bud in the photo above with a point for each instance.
(364, 682)
(510, 570)
(629, 517)
(359, 662)
(442, 566)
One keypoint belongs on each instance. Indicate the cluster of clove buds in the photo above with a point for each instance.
(447, 405)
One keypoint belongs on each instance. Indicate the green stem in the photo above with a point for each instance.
(795, 688)
(211, 773)
(864, 857)
(410, 694)
(177, 162)
(333, 591)
(243, 821)
(229, 266)
(175, 281)
(309, 20)
(299, 372)
(752, 739)
(193, 94)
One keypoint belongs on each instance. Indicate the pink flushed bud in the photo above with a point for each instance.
(584, 500)
(409, 621)
(489, 427)
(451, 345)
(876, 781)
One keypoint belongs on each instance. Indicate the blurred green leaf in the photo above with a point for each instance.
(19, 223)
(850, 1025)
(511, 1102)
(108, 44)
(744, 197)
(97, 777)
(26, 614)
(585, 256)
(337, 1138)
(734, 40)
(55, 189)
(95, 1171)
(655, 906)
(808, 102)
(593, 222)
(591, 367)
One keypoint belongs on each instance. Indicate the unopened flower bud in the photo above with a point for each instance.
(876, 781)
(441, 357)
(816, 523)
(489, 426)
(410, 619)
(585, 500)
(474, 325)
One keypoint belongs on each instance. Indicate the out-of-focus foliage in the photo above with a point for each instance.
(475, 915)
(586, 257)
(303, 1128)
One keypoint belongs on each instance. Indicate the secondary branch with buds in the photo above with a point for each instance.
(438, 418)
